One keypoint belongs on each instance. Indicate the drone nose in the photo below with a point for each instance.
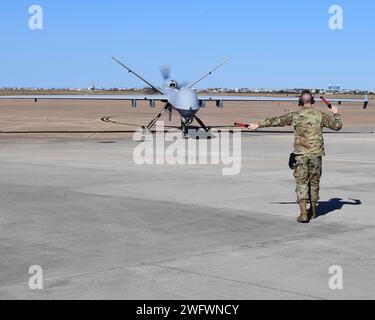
(188, 98)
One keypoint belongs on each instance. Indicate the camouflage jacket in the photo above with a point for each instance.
(308, 126)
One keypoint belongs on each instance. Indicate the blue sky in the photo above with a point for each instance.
(270, 44)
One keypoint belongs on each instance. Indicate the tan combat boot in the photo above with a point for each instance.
(303, 218)
(313, 209)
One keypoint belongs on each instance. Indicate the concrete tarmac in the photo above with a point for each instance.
(74, 202)
(102, 227)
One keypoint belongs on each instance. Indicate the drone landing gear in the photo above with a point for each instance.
(152, 123)
(185, 123)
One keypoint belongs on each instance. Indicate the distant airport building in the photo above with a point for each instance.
(334, 88)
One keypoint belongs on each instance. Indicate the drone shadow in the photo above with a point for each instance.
(199, 133)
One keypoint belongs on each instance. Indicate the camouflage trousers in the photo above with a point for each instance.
(307, 172)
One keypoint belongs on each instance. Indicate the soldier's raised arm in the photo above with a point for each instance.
(283, 121)
(332, 121)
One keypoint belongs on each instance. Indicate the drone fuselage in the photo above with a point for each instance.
(183, 100)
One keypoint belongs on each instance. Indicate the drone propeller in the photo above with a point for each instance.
(165, 72)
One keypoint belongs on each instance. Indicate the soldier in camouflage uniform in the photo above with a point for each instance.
(308, 126)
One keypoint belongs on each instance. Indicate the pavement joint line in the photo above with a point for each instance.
(348, 188)
(243, 157)
(294, 239)
(349, 160)
(241, 281)
(157, 264)
(244, 212)
(78, 275)
(61, 166)
(114, 269)
(268, 244)
(46, 246)
(327, 136)
(325, 159)
(197, 254)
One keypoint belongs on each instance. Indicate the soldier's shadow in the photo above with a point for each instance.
(326, 207)
(335, 204)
